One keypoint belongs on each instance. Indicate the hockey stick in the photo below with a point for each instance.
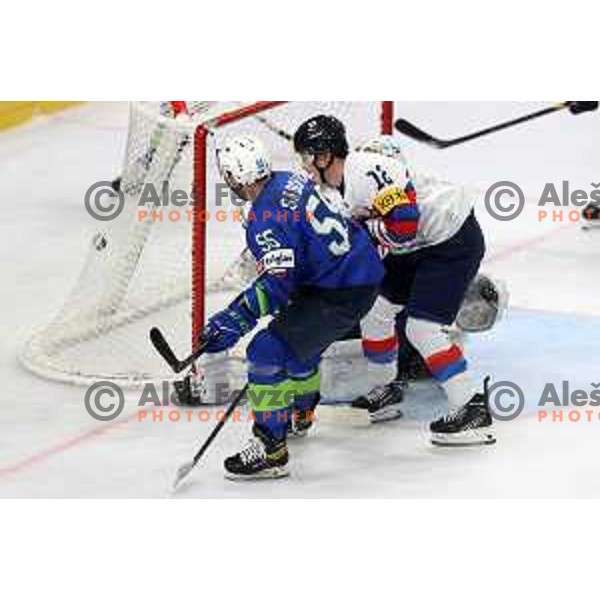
(576, 107)
(179, 108)
(274, 129)
(187, 468)
(137, 234)
(134, 188)
(116, 183)
(164, 349)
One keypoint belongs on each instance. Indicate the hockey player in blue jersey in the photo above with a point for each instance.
(318, 277)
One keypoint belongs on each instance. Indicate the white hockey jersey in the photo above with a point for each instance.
(379, 167)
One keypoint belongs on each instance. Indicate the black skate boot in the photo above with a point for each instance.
(303, 417)
(262, 458)
(411, 366)
(300, 423)
(382, 402)
(591, 215)
(469, 425)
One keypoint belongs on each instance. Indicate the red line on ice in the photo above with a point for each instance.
(61, 447)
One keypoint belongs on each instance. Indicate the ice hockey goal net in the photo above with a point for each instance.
(166, 265)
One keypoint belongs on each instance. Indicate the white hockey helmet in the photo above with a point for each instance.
(243, 160)
(384, 144)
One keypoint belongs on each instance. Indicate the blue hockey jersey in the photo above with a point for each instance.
(300, 238)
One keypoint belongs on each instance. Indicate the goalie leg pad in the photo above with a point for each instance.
(484, 305)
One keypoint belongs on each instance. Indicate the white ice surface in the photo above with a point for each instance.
(50, 447)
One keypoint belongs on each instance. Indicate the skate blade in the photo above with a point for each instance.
(471, 437)
(388, 413)
(274, 473)
(356, 405)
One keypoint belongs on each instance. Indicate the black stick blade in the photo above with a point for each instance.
(580, 106)
(415, 133)
(162, 347)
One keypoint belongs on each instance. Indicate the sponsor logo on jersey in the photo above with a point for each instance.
(277, 262)
(389, 199)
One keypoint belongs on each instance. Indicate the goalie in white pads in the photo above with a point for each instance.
(433, 247)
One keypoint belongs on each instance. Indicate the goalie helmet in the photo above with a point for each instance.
(386, 145)
(243, 161)
(322, 134)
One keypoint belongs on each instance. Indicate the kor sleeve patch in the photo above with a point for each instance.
(389, 199)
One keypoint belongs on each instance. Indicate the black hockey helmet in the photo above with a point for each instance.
(321, 134)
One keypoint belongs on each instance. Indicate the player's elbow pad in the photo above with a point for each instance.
(397, 228)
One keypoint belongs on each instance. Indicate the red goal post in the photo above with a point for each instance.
(201, 166)
(140, 273)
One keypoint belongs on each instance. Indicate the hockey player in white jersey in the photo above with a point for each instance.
(432, 246)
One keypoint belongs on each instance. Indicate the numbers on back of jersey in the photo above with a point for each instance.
(380, 176)
(326, 219)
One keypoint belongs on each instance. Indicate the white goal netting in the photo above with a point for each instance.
(141, 270)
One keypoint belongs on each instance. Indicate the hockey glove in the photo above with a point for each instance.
(226, 328)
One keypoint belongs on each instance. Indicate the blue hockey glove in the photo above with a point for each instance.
(226, 328)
